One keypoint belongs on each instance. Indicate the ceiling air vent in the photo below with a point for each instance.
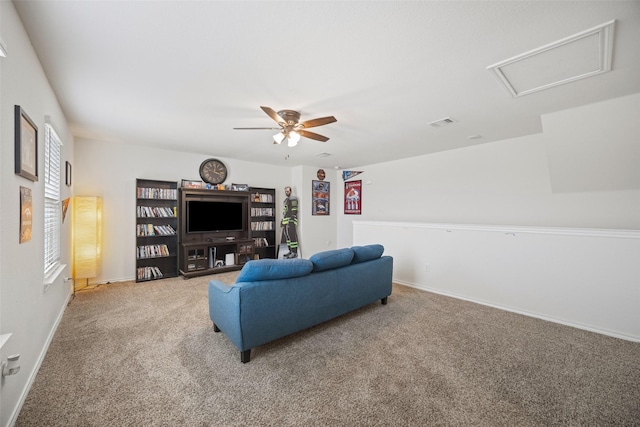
(442, 122)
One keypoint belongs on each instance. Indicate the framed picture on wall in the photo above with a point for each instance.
(353, 198)
(67, 174)
(26, 145)
(321, 194)
(26, 214)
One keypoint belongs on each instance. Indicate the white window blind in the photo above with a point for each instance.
(52, 207)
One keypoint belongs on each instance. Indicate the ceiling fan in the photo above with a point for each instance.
(291, 128)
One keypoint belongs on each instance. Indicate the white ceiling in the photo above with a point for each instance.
(181, 75)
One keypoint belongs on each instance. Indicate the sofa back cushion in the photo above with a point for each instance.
(328, 260)
(366, 253)
(274, 269)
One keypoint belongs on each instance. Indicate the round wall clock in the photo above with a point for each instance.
(213, 171)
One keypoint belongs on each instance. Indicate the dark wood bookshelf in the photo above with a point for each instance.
(263, 221)
(156, 229)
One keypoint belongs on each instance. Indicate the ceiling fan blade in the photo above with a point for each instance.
(272, 113)
(312, 135)
(256, 128)
(318, 122)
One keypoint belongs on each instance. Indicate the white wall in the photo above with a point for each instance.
(585, 278)
(582, 171)
(316, 232)
(27, 311)
(109, 169)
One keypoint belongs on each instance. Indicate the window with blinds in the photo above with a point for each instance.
(52, 207)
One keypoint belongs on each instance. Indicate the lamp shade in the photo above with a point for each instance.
(294, 137)
(278, 137)
(87, 236)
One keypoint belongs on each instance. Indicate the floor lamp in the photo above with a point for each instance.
(87, 237)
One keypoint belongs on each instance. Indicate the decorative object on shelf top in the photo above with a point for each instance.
(239, 187)
(200, 185)
(213, 171)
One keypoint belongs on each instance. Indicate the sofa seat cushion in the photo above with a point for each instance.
(274, 269)
(328, 260)
(366, 253)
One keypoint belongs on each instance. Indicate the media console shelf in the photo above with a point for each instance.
(214, 257)
(214, 231)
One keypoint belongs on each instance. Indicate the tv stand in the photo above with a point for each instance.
(212, 239)
(216, 256)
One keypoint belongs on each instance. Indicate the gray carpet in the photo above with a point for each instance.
(143, 354)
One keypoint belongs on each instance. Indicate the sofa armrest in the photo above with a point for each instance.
(220, 287)
(224, 310)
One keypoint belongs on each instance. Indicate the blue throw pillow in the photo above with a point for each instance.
(331, 259)
(274, 269)
(366, 253)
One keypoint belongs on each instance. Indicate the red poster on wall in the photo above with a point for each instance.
(353, 198)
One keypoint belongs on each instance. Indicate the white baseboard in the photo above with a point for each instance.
(41, 356)
(524, 313)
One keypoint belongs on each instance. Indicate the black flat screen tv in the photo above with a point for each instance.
(214, 216)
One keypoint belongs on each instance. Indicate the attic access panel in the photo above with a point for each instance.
(576, 57)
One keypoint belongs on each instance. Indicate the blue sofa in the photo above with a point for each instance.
(274, 298)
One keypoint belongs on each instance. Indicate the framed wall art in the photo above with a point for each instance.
(67, 174)
(26, 212)
(321, 194)
(353, 198)
(26, 145)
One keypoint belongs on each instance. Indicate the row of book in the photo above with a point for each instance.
(155, 230)
(262, 212)
(261, 225)
(157, 193)
(153, 251)
(155, 212)
(262, 198)
(260, 242)
(148, 273)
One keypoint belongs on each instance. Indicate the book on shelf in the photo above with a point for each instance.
(156, 212)
(144, 230)
(260, 242)
(262, 198)
(261, 225)
(157, 193)
(148, 273)
(262, 212)
(153, 251)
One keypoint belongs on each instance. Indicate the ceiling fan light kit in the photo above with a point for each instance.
(294, 137)
(278, 138)
(292, 128)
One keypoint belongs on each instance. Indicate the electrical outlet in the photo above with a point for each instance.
(427, 268)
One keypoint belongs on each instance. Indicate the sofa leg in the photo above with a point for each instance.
(384, 301)
(215, 328)
(245, 356)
